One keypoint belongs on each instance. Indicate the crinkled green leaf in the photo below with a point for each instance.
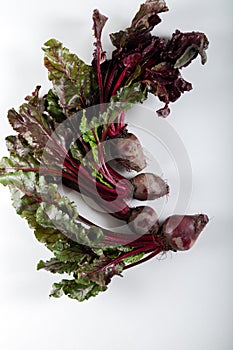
(21, 156)
(26, 206)
(26, 201)
(74, 82)
(17, 145)
(23, 181)
(56, 266)
(124, 99)
(16, 163)
(38, 136)
(76, 290)
(99, 271)
(38, 140)
(31, 123)
(129, 95)
(63, 216)
(31, 184)
(53, 107)
(95, 234)
(86, 266)
(48, 236)
(49, 215)
(67, 252)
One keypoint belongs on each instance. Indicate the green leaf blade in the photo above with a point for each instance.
(74, 82)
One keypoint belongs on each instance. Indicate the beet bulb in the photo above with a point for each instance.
(149, 186)
(144, 220)
(127, 150)
(182, 231)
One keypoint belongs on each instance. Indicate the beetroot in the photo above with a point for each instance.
(182, 231)
(144, 220)
(128, 151)
(149, 186)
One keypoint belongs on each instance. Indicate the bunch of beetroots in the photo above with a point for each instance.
(75, 133)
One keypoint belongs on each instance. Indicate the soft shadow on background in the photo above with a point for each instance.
(180, 301)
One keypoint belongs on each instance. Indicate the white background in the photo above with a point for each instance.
(183, 301)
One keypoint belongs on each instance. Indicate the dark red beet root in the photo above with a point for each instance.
(144, 220)
(149, 186)
(182, 231)
(128, 151)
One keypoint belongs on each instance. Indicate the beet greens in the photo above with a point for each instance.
(70, 137)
